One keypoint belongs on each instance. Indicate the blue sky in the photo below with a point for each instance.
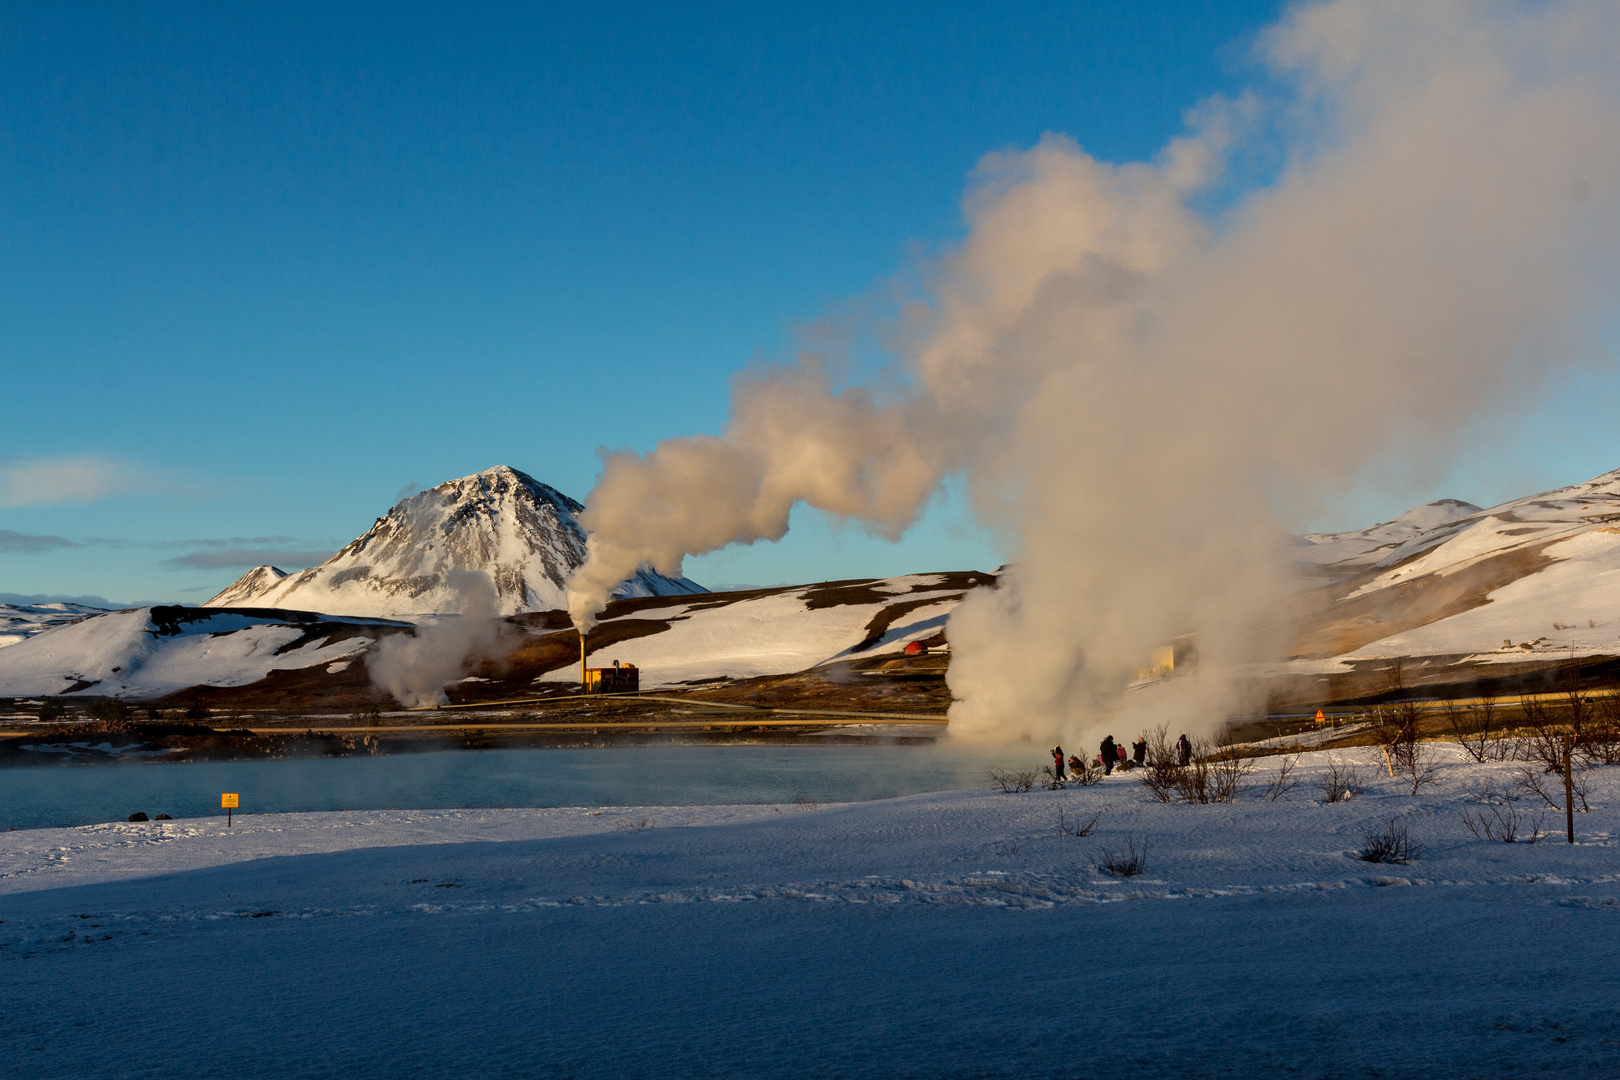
(264, 269)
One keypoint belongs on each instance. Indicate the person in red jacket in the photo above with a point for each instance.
(1057, 761)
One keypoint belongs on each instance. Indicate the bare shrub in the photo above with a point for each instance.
(1159, 777)
(1388, 841)
(1534, 781)
(1499, 818)
(1086, 774)
(1285, 781)
(634, 824)
(1126, 862)
(1012, 782)
(1600, 741)
(1418, 765)
(801, 802)
(1475, 729)
(1340, 783)
(1068, 828)
(1544, 742)
(1008, 848)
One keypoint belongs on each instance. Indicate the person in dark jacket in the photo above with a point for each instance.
(1183, 751)
(1057, 761)
(1109, 754)
(1139, 751)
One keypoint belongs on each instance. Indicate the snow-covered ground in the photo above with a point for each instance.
(933, 936)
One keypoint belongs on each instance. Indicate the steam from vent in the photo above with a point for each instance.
(415, 668)
(1143, 393)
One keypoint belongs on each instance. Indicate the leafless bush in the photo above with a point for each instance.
(1499, 818)
(801, 802)
(1008, 848)
(1159, 746)
(1475, 729)
(1124, 863)
(1086, 774)
(1284, 782)
(634, 824)
(1418, 766)
(1339, 783)
(1211, 777)
(1159, 777)
(1388, 841)
(1544, 744)
(1066, 828)
(1049, 779)
(1600, 742)
(1012, 782)
(1537, 782)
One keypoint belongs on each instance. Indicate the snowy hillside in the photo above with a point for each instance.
(19, 622)
(148, 652)
(523, 535)
(1368, 545)
(774, 632)
(246, 589)
(1535, 576)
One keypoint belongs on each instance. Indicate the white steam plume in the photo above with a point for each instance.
(415, 668)
(1138, 391)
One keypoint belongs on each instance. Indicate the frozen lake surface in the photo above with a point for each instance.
(66, 795)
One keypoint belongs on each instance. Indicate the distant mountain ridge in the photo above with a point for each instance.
(524, 536)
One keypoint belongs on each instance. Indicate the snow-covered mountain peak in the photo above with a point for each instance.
(523, 535)
(1365, 545)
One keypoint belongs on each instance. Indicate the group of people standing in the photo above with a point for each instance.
(1112, 755)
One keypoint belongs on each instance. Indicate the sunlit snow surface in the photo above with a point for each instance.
(771, 635)
(127, 653)
(1571, 606)
(948, 935)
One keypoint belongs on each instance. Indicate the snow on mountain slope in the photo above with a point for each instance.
(247, 588)
(148, 652)
(523, 534)
(782, 631)
(19, 622)
(1354, 548)
(1541, 572)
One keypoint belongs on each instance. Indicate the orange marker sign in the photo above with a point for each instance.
(230, 800)
(1321, 717)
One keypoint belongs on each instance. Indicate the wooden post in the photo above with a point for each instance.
(1389, 761)
(1569, 787)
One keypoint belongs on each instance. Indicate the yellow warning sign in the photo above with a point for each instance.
(229, 800)
(1321, 717)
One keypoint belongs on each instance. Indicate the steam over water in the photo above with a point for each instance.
(1146, 394)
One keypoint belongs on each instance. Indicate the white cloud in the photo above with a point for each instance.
(85, 478)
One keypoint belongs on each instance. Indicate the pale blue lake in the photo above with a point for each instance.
(83, 794)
